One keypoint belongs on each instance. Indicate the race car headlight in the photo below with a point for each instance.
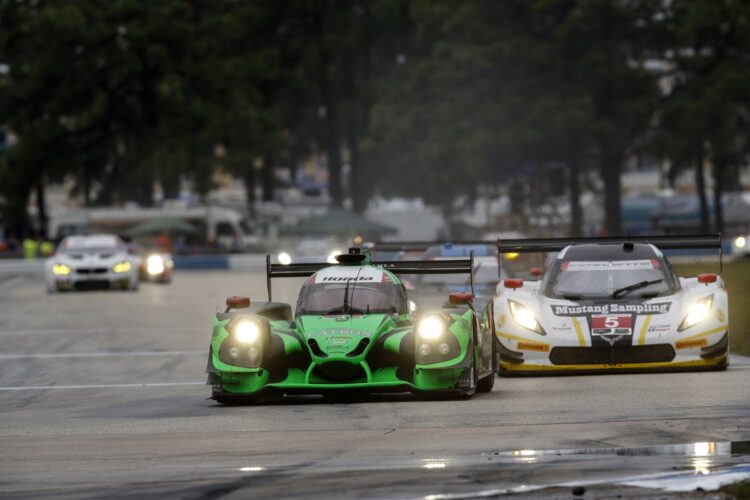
(155, 264)
(246, 331)
(122, 267)
(697, 313)
(525, 317)
(61, 269)
(740, 242)
(284, 259)
(430, 327)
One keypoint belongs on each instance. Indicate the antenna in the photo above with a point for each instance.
(471, 271)
(268, 275)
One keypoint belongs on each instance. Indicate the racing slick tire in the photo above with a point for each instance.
(488, 382)
(473, 383)
(234, 400)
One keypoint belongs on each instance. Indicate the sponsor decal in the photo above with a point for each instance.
(346, 278)
(608, 309)
(687, 344)
(659, 328)
(501, 320)
(340, 332)
(565, 328)
(720, 315)
(533, 346)
(608, 265)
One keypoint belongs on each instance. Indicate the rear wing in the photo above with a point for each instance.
(445, 266)
(535, 245)
(407, 246)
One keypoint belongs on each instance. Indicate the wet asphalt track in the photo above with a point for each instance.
(101, 394)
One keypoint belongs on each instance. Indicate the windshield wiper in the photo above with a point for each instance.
(635, 286)
(345, 307)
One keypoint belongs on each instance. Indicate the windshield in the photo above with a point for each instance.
(90, 250)
(328, 298)
(600, 279)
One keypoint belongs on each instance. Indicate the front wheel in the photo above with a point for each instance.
(488, 382)
(469, 391)
(234, 400)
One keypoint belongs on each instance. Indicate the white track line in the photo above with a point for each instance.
(100, 386)
(109, 354)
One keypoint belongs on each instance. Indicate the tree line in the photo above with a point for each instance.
(427, 98)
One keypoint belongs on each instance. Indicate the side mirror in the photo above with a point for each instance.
(460, 298)
(536, 271)
(707, 278)
(237, 302)
(513, 283)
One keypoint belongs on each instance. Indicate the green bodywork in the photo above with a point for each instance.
(377, 352)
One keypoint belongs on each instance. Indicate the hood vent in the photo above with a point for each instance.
(357, 351)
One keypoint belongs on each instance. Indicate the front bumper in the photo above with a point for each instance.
(86, 280)
(708, 352)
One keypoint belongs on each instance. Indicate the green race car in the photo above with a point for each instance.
(352, 331)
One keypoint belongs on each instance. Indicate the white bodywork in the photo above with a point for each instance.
(610, 324)
(82, 261)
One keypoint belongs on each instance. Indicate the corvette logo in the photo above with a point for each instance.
(606, 309)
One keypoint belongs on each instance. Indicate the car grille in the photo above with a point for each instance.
(92, 270)
(660, 353)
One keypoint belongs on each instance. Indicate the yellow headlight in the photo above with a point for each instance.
(121, 267)
(246, 331)
(740, 242)
(525, 317)
(61, 269)
(155, 264)
(698, 312)
(430, 327)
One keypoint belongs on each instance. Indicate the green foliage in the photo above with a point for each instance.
(430, 98)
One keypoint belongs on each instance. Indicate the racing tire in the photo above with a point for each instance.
(487, 383)
(234, 400)
(469, 392)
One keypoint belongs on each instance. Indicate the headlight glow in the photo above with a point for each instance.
(430, 327)
(246, 331)
(284, 259)
(697, 313)
(61, 269)
(155, 264)
(740, 242)
(525, 317)
(122, 267)
(412, 306)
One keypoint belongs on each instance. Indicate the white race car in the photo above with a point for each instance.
(90, 262)
(610, 304)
